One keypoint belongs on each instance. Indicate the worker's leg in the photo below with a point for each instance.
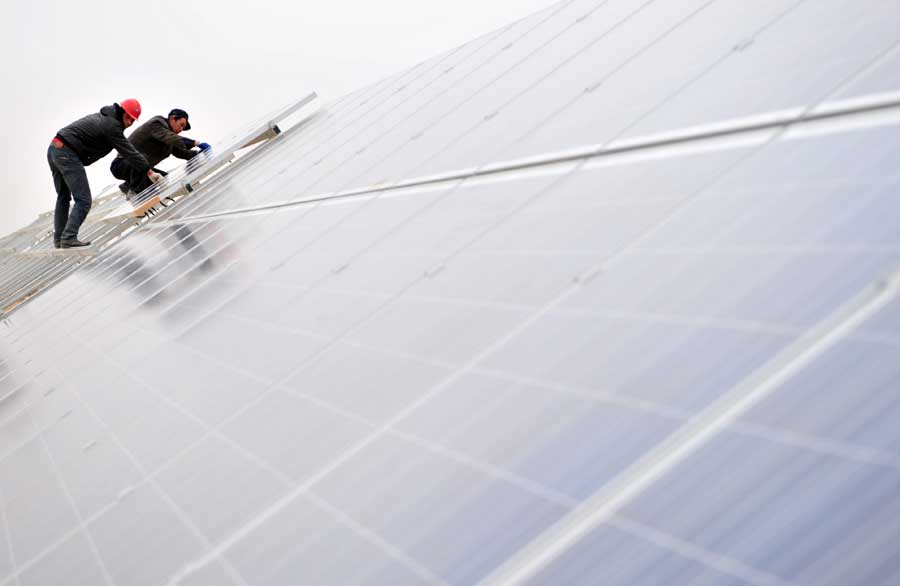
(120, 170)
(139, 181)
(63, 195)
(70, 168)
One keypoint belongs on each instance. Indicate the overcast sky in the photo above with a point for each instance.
(226, 63)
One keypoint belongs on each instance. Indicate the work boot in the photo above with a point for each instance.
(72, 243)
(55, 243)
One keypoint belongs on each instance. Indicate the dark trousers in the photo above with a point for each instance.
(135, 180)
(71, 183)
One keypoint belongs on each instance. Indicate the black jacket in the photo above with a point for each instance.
(156, 141)
(93, 136)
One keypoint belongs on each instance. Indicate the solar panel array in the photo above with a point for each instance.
(608, 296)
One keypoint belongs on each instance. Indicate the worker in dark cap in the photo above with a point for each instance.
(156, 139)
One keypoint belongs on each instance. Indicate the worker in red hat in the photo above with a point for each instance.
(76, 146)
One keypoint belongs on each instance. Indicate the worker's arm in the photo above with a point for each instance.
(128, 152)
(163, 134)
(191, 143)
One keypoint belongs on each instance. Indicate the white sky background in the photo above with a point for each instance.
(225, 62)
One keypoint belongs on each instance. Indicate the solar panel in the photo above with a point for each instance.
(606, 296)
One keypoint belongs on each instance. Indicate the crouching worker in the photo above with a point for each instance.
(156, 139)
(76, 146)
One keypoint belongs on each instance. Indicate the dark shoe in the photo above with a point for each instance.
(55, 243)
(73, 243)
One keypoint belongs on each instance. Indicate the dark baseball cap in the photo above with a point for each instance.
(179, 113)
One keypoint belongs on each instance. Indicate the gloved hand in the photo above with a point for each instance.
(204, 146)
(154, 177)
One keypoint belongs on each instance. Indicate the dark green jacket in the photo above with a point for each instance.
(156, 141)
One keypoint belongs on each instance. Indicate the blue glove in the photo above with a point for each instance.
(204, 146)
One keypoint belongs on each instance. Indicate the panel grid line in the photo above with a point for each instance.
(149, 478)
(84, 524)
(79, 517)
(9, 544)
(691, 437)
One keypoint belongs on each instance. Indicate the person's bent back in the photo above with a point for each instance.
(156, 139)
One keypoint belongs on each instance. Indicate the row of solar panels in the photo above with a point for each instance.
(608, 296)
